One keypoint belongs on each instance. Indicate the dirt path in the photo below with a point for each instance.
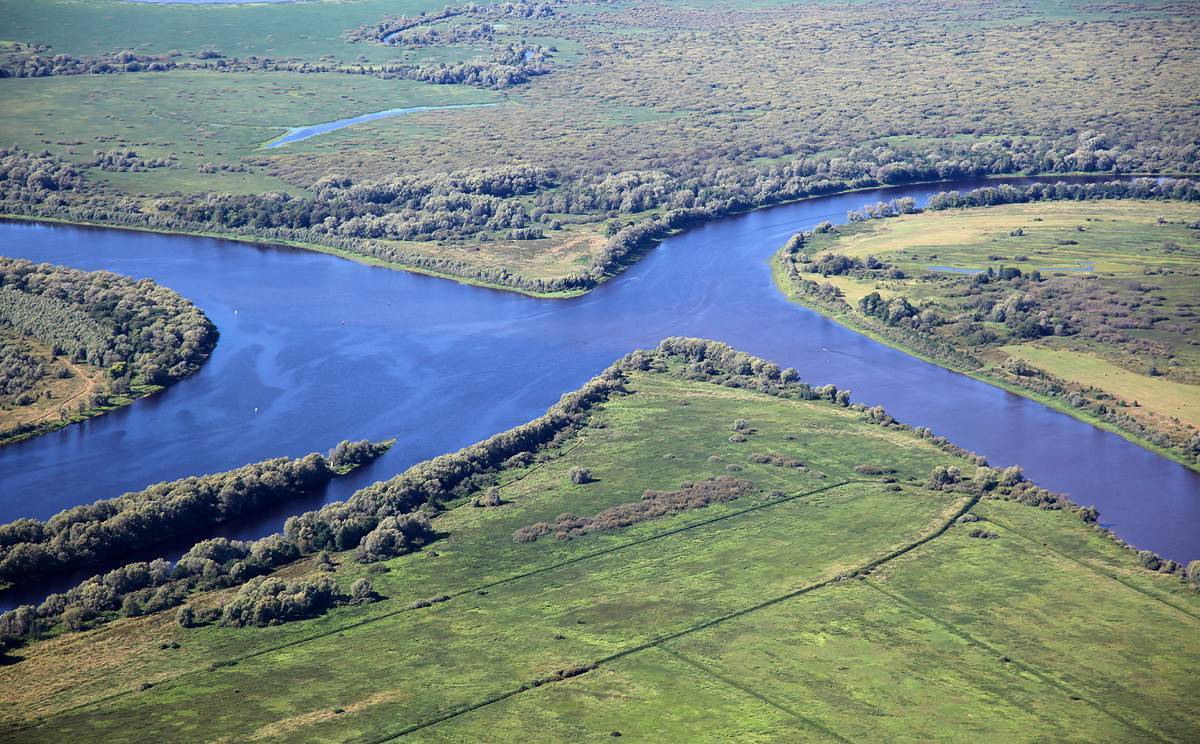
(87, 388)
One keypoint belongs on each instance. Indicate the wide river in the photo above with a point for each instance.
(315, 349)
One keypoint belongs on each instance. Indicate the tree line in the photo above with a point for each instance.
(392, 517)
(365, 216)
(139, 330)
(510, 65)
(1179, 189)
(104, 529)
(384, 519)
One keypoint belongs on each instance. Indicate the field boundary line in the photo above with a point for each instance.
(1094, 569)
(753, 693)
(460, 593)
(984, 645)
(946, 524)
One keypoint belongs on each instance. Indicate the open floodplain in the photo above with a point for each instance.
(1087, 306)
(396, 316)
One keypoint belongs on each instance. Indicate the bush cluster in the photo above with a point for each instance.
(138, 328)
(653, 504)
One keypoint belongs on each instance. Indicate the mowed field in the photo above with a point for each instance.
(737, 621)
(1156, 394)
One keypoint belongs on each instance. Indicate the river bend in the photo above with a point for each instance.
(315, 349)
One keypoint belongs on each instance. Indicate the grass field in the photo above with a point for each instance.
(206, 117)
(718, 623)
(1120, 282)
(1157, 395)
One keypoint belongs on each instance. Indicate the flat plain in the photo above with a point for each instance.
(633, 111)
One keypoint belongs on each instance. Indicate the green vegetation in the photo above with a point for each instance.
(735, 106)
(95, 533)
(844, 598)
(1090, 306)
(115, 337)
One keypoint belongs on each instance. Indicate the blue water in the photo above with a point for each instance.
(315, 349)
(955, 270)
(295, 134)
(1043, 269)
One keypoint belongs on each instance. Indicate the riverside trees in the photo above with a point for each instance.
(110, 527)
(137, 329)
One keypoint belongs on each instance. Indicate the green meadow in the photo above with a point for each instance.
(205, 118)
(827, 604)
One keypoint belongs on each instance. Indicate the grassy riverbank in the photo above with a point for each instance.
(1133, 264)
(826, 602)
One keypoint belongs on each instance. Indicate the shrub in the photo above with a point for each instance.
(270, 601)
(652, 505)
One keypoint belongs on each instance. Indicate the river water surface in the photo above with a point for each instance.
(315, 349)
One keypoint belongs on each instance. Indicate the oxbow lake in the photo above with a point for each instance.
(315, 349)
(296, 134)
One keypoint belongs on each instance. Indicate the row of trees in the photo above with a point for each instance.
(359, 215)
(511, 65)
(1011, 484)
(436, 207)
(1180, 189)
(391, 517)
(137, 329)
(108, 528)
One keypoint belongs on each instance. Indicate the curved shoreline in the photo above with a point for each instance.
(628, 261)
(324, 338)
(778, 280)
(1051, 402)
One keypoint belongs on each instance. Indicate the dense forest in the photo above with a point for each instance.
(142, 332)
(20, 373)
